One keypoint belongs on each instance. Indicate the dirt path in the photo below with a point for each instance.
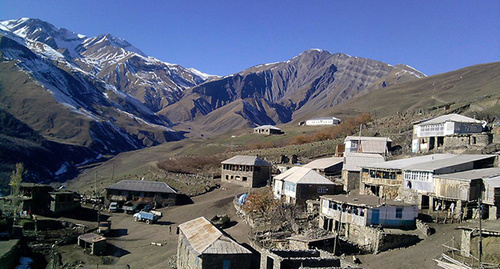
(130, 241)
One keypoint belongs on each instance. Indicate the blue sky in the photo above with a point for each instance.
(224, 37)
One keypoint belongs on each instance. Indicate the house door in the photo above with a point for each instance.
(375, 216)
(424, 204)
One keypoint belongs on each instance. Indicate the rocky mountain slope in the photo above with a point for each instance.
(100, 93)
(279, 92)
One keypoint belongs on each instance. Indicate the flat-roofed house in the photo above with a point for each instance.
(367, 144)
(248, 171)
(157, 193)
(456, 194)
(448, 132)
(351, 169)
(327, 166)
(416, 175)
(353, 216)
(201, 245)
(323, 121)
(298, 184)
(267, 130)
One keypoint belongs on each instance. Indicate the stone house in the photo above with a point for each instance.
(42, 199)
(412, 179)
(159, 194)
(365, 144)
(327, 166)
(248, 171)
(353, 217)
(299, 184)
(351, 169)
(323, 121)
(201, 245)
(267, 130)
(296, 259)
(94, 243)
(449, 132)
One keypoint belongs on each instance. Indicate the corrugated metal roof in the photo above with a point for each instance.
(205, 238)
(142, 186)
(354, 161)
(92, 237)
(367, 138)
(429, 162)
(472, 174)
(268, 127)
(450, 117)
(324, 163)
(363, 200)
(303, 175)
(493, 181)
(325, 118)
(246, 160)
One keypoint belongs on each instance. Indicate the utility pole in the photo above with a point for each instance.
(480, 247)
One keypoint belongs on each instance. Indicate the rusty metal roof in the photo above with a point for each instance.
(91, 237)
(205, 238)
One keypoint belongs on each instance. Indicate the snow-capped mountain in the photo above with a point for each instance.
(97, 92)
(115, 61)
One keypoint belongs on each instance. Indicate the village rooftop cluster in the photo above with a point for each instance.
(359, 198)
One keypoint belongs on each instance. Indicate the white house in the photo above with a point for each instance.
(430, 134)
(365, 144)
(299, 184)
(322, 121)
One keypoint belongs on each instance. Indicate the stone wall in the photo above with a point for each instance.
(467, 141)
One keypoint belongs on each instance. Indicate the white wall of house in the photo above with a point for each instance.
(290, 189)
(420, 181)
(322, 121)
(278, 189)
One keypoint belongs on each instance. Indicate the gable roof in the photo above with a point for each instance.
(268, 127)
(324, 163)
(205, 238)
(449, 117)
(354, 161)
(303, 175)
(143, 186)
(429, 163)
(493, 181)
(246, 160)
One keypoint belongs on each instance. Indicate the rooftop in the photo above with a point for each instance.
(246, 160)
(429, 163)
(91, 237)
(473, 174)
(268, 127)
(142, 186)
(363, 200)
(324, 163)
(367, 138)
(325, 118)
(354, 161)
(449, 117)
(205, 238)
(303, 175)
(493, 181)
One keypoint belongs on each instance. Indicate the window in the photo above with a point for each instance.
(244, 178)
(399, 212)
(226, 264)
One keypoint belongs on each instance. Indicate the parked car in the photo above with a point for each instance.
(148, 217)
(113, 207)
(131, 207)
